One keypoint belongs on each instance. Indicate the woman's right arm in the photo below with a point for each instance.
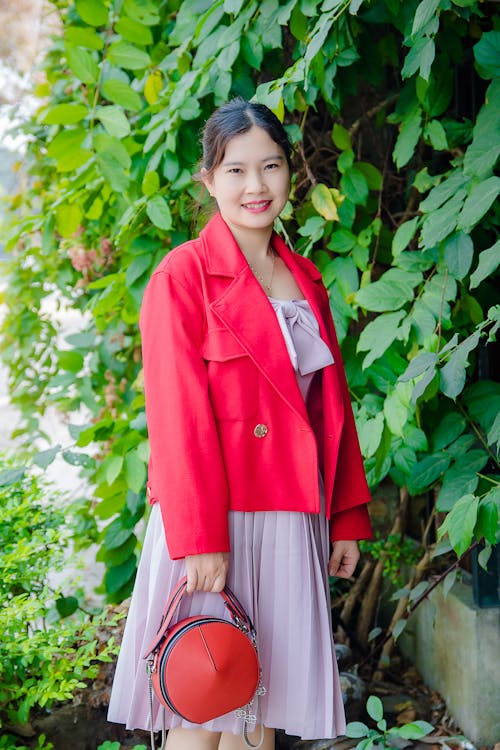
(187, 475)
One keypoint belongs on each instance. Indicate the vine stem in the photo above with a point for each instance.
(109, 31)
(389, 636)
(441, 309)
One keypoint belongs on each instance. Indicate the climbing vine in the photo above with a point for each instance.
(394, 110)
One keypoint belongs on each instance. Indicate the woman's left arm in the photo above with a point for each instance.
(344, 558)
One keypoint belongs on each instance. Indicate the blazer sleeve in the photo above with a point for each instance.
(186, 474)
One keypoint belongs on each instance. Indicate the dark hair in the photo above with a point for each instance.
(236, 117)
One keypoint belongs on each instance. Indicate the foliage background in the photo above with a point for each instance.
(394, 109)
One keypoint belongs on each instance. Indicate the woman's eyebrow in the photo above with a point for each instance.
(275, 157)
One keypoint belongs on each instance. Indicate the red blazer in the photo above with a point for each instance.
(227, 424)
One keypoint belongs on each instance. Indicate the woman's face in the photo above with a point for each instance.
(252, 182)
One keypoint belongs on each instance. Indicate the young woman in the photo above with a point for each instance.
(255, 464)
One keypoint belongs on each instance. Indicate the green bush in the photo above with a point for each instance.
(395, 199)
(49, 646)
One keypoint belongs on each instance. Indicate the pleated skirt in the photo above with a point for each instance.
(278, 570)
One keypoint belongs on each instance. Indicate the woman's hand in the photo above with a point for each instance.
(206, 572)
(344, 559)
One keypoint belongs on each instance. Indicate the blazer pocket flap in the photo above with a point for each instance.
(220, 346)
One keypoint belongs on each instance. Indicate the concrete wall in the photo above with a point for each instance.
(456, 648)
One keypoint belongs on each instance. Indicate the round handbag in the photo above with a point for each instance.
(203, 667)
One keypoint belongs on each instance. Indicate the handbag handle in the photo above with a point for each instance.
(236, 610)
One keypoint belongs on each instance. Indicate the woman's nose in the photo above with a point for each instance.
(255, 182)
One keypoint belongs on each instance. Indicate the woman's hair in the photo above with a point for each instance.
(234, 118)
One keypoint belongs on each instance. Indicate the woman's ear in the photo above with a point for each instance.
(207, 180)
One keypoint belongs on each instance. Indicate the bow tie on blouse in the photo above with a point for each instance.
(308, 352)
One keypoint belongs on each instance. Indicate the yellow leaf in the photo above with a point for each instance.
(68, 218)
(279, 110)
(323, 202)
(337, 196)
(153, 86)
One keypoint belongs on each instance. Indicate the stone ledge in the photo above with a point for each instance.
(456, 648)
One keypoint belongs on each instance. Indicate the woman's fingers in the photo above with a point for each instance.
(206, 572)
(345, 556)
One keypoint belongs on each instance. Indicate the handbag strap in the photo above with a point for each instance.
(234, 606)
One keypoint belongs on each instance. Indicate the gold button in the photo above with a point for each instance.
(260, 430)
(148, 491)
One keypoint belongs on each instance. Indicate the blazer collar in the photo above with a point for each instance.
(245, 310)
(223, 256)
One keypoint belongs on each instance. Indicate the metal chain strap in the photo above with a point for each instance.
(149, 670)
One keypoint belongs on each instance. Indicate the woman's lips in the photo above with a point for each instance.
(257, 207)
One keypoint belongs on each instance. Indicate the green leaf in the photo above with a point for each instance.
(493, 436)
(12, 476)
(487, 54)
(158, 211)
(460, 522)
(138, 267)
(404, 235)
(372, 175)
(415, 730)
(482, 154)
(444, 191)
(420, 57)
(374, 708)
(427, 472)
(435, 132)
(142, 11)
(478, 202)
(457, 481)
(409, 135)
(398, 628)
(483, 402)
(66, 605)
(441, 222)
(354, 186)
(117, 576)
(398, 409)
(113, 171)
(45, 458)
(114, 120)
(134, 31)
(448, 429)
(425, 11)
(370, 432)
(458, 254)
(341, 137)
(121, 93)
(390, 292)
(418, 365)
(65, 114)
(150, 183)
(82, 64)
(116, 534)
(452, 375)
(487, 521)
(82, 37)
(128, 56)
(378, 335)
(135, 471)
(356, 729)
(108, 144)
(489, 261)
(93, 12)
(112, 467)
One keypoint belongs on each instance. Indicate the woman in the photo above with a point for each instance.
(255, 463)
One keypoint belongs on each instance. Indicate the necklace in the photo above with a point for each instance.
(259, 276)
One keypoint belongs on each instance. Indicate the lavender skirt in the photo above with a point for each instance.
(278, 570)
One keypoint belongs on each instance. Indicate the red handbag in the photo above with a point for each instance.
(203, 667)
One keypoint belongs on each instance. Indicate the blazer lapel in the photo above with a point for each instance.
(245, 310)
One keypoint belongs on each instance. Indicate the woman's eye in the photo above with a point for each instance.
(272, 166)
(234, 170)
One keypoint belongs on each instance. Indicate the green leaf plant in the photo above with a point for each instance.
(394, 197)
(50, 645)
